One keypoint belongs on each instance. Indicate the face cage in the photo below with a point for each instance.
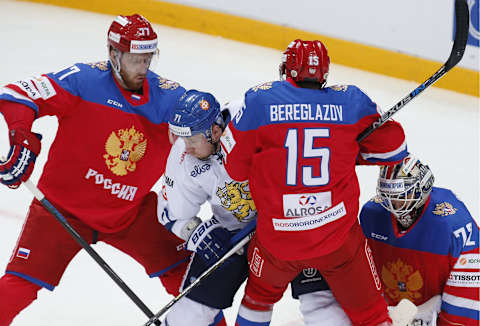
(408, 204)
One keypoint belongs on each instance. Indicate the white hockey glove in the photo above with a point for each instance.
(209, 240)
(402, 314)
(427, 312)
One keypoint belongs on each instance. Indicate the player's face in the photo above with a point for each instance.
(134, 67)
(198, 146)
(403, 203)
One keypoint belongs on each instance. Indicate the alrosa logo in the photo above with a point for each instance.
(307, 200)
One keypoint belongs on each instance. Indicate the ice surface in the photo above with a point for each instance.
(441, 126)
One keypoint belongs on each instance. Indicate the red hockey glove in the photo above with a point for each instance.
(24, 148)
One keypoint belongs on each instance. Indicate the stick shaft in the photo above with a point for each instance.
(98, 259)
(462, 18)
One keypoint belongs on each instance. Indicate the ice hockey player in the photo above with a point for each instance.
(425, 244)
(110, 148)
(295, 141)
(195, 175)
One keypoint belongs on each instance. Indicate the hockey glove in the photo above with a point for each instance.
(427, 312)
(210, 241)
(24, 148)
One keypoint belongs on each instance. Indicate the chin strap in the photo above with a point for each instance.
(408, 220)
(116, 67)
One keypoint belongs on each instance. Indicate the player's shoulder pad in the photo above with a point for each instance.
(371, 214)
(351, 91)
(177, 154)
(453, 215)
(448, 207)
(176, 168)
(356, 97)
(80, 75)
(233, 106)
(371, 209)
(163, 84)
(184, 166)
(261, 88)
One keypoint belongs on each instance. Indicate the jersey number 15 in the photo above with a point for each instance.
(323, 153)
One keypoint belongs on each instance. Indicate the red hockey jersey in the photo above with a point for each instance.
(111, 145)
(298, 149)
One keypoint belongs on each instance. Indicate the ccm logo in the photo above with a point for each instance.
(114, 103)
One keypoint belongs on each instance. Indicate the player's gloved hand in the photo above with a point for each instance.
(209, 240)
(24, 148)
(427, 312)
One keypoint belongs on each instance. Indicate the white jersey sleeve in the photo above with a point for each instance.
(233, 106)
(180, 198)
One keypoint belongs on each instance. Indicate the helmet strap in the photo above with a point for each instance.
(117, 67)
(408, 220)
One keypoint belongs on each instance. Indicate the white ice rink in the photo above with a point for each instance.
(442, 127)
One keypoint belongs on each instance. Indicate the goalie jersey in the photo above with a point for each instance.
(298, 149)
(438, 255)
(111, 145)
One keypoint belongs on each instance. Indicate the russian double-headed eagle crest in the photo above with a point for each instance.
(402, 281)
(102, 65)
(236, 198)
(444, 209)
(339, 88)
(124, 148)
(164, 83)
(262, 87)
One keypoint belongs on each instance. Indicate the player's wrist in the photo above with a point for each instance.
(189, 227)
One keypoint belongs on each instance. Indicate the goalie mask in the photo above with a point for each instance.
(195, 113)
(404, 187)
(305, 61)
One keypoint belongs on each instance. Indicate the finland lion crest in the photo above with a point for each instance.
(236, 198)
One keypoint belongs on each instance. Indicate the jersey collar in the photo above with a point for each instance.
(133, 98)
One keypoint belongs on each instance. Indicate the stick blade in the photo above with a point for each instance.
(462, 20)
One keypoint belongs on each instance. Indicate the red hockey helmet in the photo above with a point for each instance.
(305, 61)
(132, 34)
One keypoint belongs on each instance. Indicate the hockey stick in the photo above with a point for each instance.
(239, 239)
(462, 18)
(45, 203)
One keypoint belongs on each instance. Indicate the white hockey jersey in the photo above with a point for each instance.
(189, 182)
